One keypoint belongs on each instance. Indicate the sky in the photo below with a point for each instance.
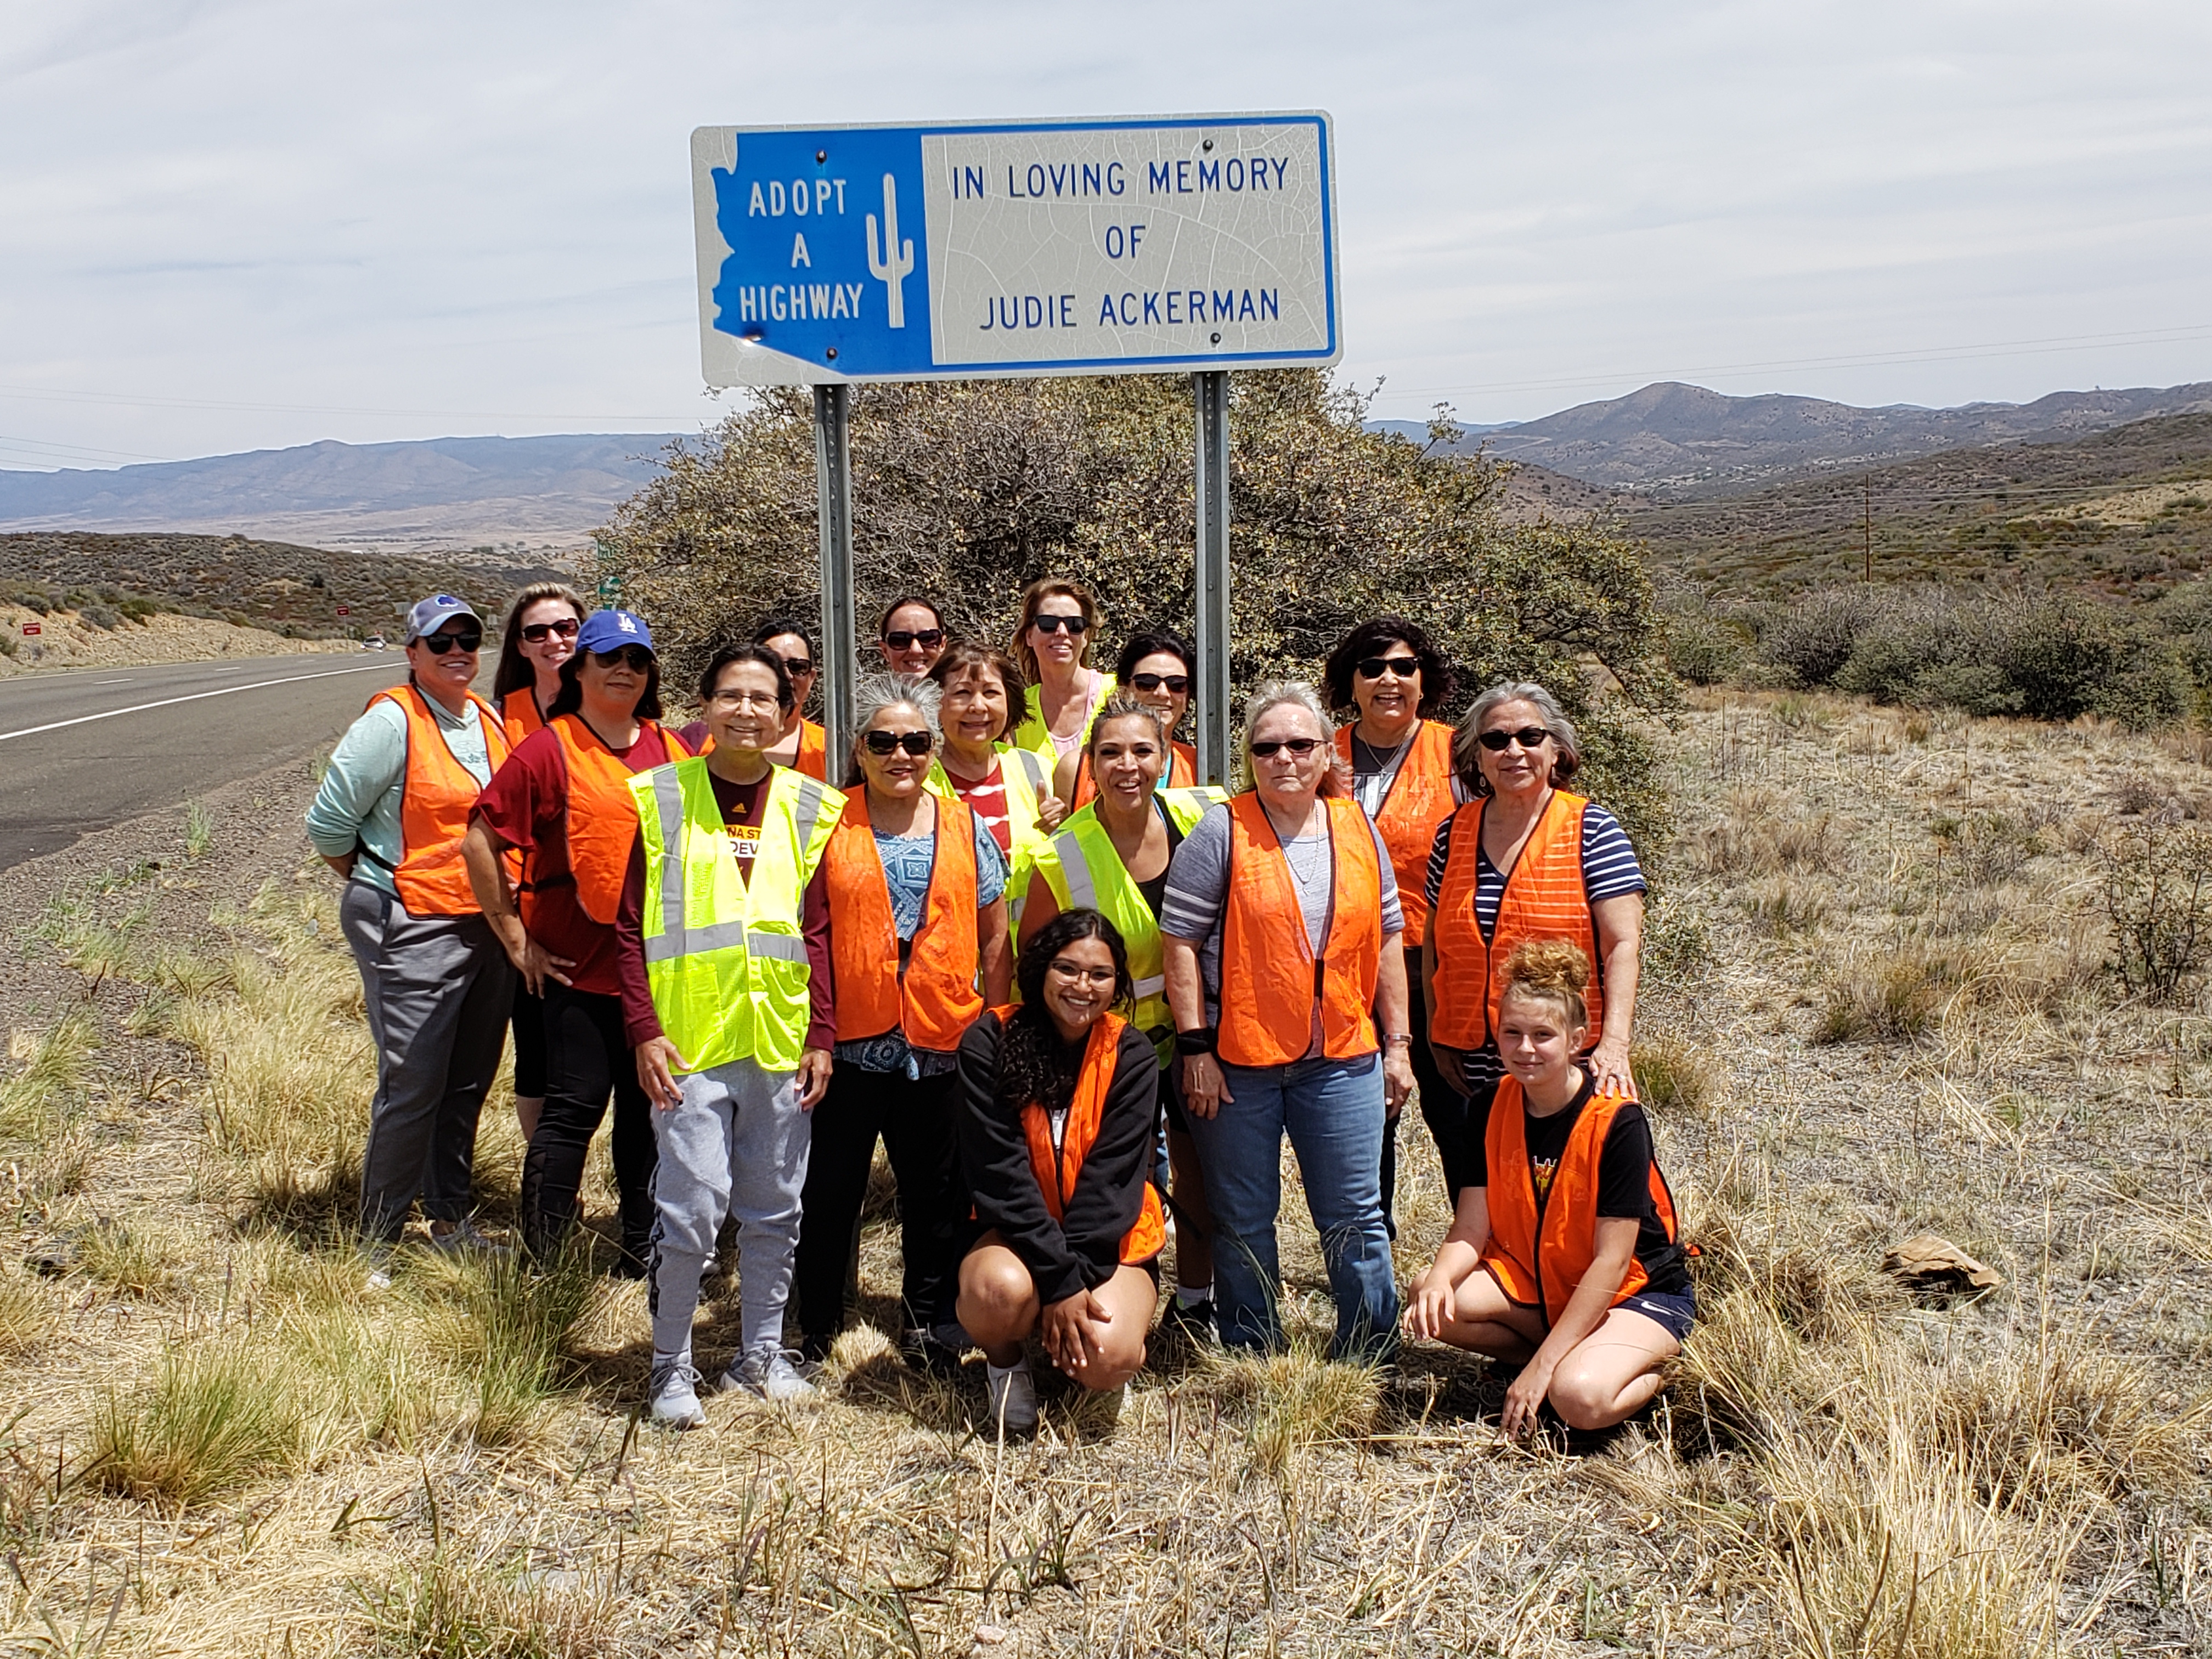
(239, 224)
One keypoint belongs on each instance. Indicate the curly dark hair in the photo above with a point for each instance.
(1035, 1066)
(1367, 640)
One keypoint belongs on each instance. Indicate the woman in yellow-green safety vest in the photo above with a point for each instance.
(1052, 647)
(1112, 857)
(724, 941)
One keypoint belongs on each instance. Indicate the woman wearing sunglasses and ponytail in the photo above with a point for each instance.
(1526, 860)
(1156, 668)
(911, 634)
(563, 801)
(1388, 675)
(1052, 647)
(918, 948)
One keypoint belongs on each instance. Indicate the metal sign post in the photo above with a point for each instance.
(1212, 390)
(833, 481)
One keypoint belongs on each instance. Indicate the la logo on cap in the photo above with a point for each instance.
(628, 623)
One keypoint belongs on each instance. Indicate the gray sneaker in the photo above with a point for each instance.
(464, 1236)
(674, 1391)
(768, 1371)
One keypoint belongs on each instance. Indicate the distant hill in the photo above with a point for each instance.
(1680, 440)
(509, 494)
(2126, 512)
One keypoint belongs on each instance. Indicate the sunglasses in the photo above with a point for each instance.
(438, 644)
(538, 633)
(1373, 668)
(1054, 624)
(915, 743)
(1267, 746)
(637, 656)
(797, 667)
(1529, 736)
(1178, 683)
(900, 639)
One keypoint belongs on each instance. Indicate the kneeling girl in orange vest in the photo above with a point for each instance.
(1059, 1106)
(1564, 1255)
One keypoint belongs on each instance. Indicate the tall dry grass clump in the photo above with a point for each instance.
(213, 1418)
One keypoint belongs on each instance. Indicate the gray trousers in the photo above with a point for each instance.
(439, 989)
(734, 1146)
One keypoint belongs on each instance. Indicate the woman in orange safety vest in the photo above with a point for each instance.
(1157, 667)
(1058, 1107)
(1564, 1256)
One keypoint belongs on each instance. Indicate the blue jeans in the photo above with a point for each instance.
(1333, 1112)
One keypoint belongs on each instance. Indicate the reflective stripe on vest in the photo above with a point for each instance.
(1539, 1251)
(1544, 897)
(1057, 1172)
(1418, 799)
(1270, 979)
(932, 1000)
(1181, 773)
(601, 820)
(437, 793)
(725, 956)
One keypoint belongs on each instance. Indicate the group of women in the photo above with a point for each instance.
(1079, 997)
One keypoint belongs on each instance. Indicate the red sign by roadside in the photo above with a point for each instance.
(345, 611)
(30, 628)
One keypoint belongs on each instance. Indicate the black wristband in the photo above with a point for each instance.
(1198, 1042)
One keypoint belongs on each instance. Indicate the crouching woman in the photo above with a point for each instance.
(1059, 1104)
(1563, 1256)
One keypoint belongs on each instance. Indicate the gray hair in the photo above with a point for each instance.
(1271, 695)
(880, 691)
(1467, 746)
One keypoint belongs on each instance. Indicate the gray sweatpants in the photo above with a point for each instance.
(437, 990)
(734, 1146)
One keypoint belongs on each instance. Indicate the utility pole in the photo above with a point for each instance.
(1866, 523)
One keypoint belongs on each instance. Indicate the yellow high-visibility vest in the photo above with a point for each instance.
(725, 955)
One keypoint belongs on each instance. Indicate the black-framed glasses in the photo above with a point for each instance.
(901, 639)
(915, 743)
(1178, 683)
(438, 644)
(797, 667)
(1373, 668)
(637, 656)
(1075, 625)
(538, 633)
(1300, 746)
(1529, 736)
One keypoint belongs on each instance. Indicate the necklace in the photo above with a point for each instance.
(1315, 858)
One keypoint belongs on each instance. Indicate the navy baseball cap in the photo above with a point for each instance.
(611, 631)
(433, 613)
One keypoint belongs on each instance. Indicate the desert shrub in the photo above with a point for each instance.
(2068, 657)
(1675, 1077)
(102, 616)
(2157, 889)
(1813, 637)
(1892, 999)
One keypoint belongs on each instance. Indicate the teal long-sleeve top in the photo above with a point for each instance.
(358, 803)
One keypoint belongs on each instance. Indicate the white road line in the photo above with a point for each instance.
(125, 681)
(140, 708)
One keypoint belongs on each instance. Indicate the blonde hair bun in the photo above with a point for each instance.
(1552, 970)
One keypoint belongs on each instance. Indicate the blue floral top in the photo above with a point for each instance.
(907, 860)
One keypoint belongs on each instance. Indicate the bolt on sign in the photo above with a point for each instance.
(1011, 248)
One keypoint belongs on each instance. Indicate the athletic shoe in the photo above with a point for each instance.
(1195, 1321)
(465, 1237)
(927, 1351)
(674, 1394)
(1014, 1398)
(767, 1372)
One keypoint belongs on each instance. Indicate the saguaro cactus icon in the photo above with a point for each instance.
(891, 260)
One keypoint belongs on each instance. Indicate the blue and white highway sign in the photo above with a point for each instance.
(1004, 248)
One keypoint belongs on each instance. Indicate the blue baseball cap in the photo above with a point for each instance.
(611, 631)
(433, 613)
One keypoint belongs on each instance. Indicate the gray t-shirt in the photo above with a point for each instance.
(1198, 892)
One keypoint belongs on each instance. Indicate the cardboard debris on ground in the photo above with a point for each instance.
(1934, 1262)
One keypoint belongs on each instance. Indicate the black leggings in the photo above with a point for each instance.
(1443, 1109)
(528, 1019)
(587, 1057)
(915, 1118)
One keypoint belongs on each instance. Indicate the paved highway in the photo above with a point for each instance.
(87, 749)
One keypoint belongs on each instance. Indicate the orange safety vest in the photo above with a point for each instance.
(518, 711)
(1538, 1251)
(1419, 798)
(436, 795)
(1545, 898)
(932, 996)
(1270, 979)
(1183, 772)
(602, 815)
(1149, 1236)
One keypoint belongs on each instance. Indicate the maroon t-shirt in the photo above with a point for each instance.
(527, 805)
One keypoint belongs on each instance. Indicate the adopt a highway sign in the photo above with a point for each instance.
(1009, 248)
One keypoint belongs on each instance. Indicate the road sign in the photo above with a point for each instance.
(345, 611)
(31, 629)
(838, 254)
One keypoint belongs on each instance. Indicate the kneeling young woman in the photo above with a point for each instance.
(1564, 1255)
(1059, 1104)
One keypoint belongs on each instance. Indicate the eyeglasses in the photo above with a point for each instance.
(1178, 683)
(797, 667)
(538, 633)
(900, 639)
(438, 644)
(915, 743)
(637, 656)
(1529, 736)
(1076, 973)
(742, 699)
(1054, 624)
(1300, 746)
(1373, 668)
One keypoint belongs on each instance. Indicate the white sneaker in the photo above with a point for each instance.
(1013, 1397)
(767, 1372)
(675, 1393)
